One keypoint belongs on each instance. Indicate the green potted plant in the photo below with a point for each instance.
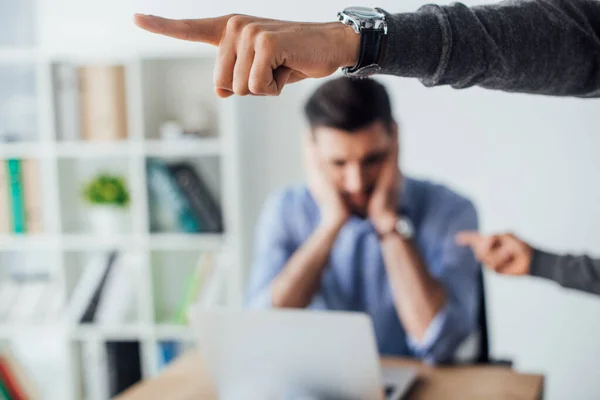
(107, 196)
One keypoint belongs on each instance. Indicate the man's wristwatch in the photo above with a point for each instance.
(371, 25)
(403, 227)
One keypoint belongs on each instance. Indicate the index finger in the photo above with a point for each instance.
(205, 30)
(468, 238)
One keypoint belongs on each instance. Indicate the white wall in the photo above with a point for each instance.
(529, 163)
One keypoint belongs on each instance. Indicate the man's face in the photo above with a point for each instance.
(353, 160)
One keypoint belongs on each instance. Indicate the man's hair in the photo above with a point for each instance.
(349, 104)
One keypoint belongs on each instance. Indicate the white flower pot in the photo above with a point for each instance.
(107, 220)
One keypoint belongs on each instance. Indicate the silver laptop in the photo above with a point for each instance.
(295, 354)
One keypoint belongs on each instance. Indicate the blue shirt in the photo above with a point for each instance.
(355, 278)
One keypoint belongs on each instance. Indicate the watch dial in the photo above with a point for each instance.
(363, 12)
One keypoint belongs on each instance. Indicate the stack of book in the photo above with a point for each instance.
(20, 197)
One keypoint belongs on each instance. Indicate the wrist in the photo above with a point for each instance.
(348, 42)
(332, 225)
(385, 223)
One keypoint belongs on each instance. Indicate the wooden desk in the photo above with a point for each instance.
(187, 379)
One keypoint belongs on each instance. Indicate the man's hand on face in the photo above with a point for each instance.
(334, 211)
(259, 56)
(383, 204)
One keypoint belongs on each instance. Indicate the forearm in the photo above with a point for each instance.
(544, 46)
(575, 272)
(417, 295)
(296, 285)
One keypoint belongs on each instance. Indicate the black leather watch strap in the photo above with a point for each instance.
(371, 41)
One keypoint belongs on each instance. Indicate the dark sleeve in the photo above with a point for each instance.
(547, 47)
(575, 272)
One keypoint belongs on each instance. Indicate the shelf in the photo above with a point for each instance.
(84, 242)
(174, 332)
(91, 242)
(23, 150)
(126, 332)
(184, 147)
(27, 242)
(16, 330)
(182, 241)
(94, 149)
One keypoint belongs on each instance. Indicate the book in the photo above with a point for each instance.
(124, 366)
(167, 352)
(117, 304)
(201, 272)
(4, 392)
(201, 200)
(103, 102)
(173, 207)
(16, 195)
(92, 307)
(10, 382)
(5, 210)
(66, 99)
(88, 282)
(21, 375)
(32, 196)
(96, 371)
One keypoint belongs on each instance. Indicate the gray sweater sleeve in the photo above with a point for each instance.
(533, 46)
(575, 272)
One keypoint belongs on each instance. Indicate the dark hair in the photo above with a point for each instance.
(349, 104)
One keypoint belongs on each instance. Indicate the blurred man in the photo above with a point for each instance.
(361, 237)
(507, 254)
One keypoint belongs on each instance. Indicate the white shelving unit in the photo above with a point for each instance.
(153, 84)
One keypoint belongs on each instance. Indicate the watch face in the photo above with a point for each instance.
(364, 13)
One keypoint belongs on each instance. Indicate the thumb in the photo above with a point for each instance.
(468, 238)
(206, 30)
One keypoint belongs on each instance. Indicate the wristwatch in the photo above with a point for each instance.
(403, 227)
(371, 25)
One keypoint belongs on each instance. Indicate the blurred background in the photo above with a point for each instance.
(129, 191)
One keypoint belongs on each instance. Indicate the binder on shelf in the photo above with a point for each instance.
(66, 100)
(118, 300)
(201, 200)
(86, 287)
(195, 285)
(32, 196)
(172, 209)
(168, 350)
(16, 195)
(124, 366)
(5, 207)
(92, 307)
(103, 102)
(9, 380)
(96, 371)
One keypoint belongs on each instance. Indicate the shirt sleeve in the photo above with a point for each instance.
(574, 272)
(272, 248)
(547, 47)
(457, 270)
